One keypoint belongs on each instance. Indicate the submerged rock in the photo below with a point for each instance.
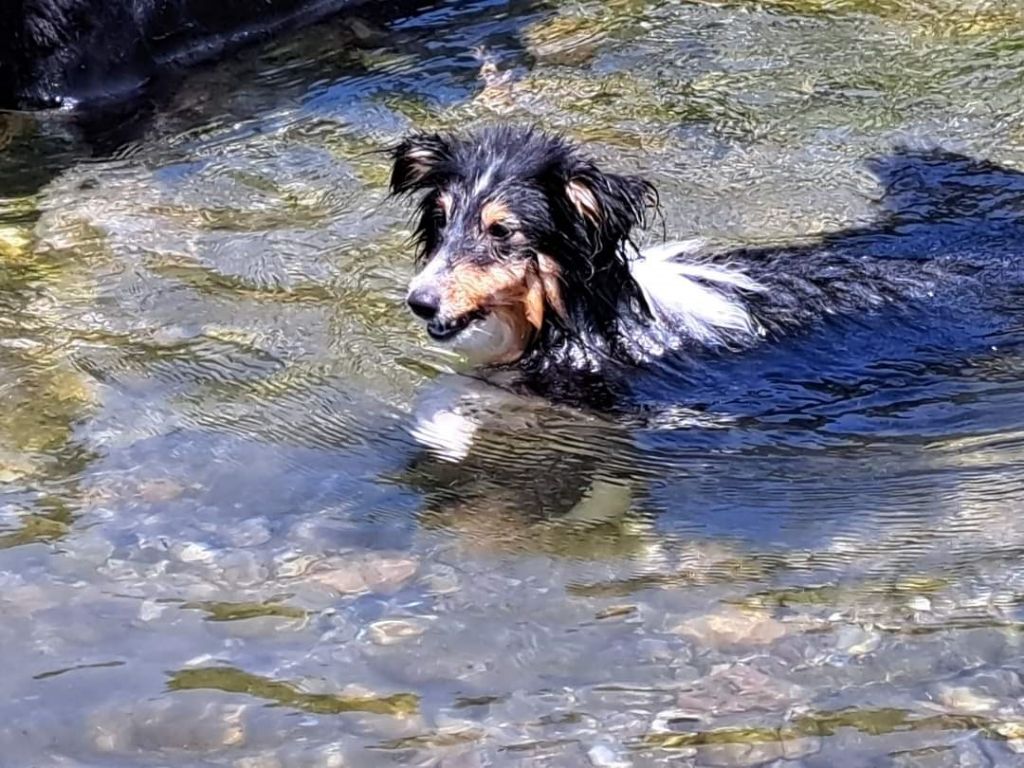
(857, 641)
(394, 631)
(731, 627)
(193, 724)
(607, 756)
(364, 573)
(963, 699)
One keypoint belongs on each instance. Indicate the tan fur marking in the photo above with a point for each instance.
(534, 299)
(494, 212)
(551, 281)
(470, 288)
(510, 291)
(581, 196)
(517, 294)
(446, 202)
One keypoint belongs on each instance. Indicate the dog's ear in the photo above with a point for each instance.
(417, 161)
(544, 290)
(612, 205)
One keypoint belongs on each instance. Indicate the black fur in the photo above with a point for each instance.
(806, 285)
(533, 170)
(800, 286)
(53, 51)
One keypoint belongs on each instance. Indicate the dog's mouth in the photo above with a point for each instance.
(446, 330)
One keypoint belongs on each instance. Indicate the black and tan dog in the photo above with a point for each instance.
(528, 261)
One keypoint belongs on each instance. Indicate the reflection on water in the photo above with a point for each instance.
(249, 519)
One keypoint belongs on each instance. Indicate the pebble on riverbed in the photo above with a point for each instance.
(296, 756)
(736, 688)
(193, 723)
(857, 641)
(730, 627)
(961, 698)
(607, 756)
(364, 573)
(394, 631)
(983, 691)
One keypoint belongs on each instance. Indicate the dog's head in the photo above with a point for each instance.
(520, 237)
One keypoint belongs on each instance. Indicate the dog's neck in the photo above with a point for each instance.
(692, 302)
(677, 304)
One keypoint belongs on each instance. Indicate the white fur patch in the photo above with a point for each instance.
(428, 275)
(484, 181)
(450, 411)
(483, 341)
(421, 160)
(692, 301)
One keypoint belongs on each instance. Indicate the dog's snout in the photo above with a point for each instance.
(424, 302)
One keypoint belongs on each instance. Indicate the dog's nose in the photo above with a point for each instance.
(424, 303)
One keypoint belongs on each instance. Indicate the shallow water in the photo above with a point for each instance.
(222, 544)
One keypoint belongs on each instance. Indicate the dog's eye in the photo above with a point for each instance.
(499, 231)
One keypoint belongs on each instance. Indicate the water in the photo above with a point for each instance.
(221, 545)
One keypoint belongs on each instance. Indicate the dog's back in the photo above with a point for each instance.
(531, 263)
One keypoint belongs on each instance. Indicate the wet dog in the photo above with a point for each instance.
(529, 261)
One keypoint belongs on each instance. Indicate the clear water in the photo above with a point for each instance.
(220, 544)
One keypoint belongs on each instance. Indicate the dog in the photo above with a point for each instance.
(530, 262)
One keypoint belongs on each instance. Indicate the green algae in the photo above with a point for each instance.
(288, 694)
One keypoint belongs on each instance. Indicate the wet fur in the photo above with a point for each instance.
(604, 303)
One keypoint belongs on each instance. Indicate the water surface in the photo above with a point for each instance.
(222, 545)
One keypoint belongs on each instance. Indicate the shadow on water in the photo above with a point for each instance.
(794, 445)
(935, 199)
